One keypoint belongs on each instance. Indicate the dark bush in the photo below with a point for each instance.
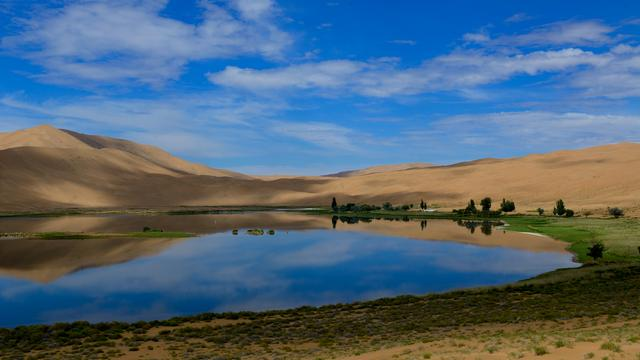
(507, 205)
(540, 211)
(559, 209)
(596, 251)
(569, 213)
(486, 204)
(616, 212)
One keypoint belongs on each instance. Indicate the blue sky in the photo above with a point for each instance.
(312, 87)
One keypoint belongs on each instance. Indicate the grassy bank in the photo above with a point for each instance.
(606, 292)
(621, 237)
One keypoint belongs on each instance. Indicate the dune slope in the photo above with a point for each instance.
(45, 168)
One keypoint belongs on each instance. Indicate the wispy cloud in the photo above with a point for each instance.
(529, 131)
(518, 17)
(563, 33)
(121, 41)
(322, 134)
(403, 42)
(458, 71)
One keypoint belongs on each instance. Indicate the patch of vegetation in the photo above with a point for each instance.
(616, 212)
(619, 236)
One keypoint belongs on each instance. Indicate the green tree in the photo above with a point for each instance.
(486, 204)
(559, 210)
(616, 212)
(471, 207)
(334, 204)
(540, 211)
(507, 205)
(387, 206)
(596, 251)
(569, 213)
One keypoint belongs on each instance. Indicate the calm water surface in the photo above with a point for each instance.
(306, 262)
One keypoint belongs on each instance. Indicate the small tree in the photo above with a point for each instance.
(559, 209)
(471, 207)
(387, 206)
(596, 251)
(507, 205)
(334, 204)
(405, 207)
(569, 213)
(486, 204)
(616, 212)
(540, 211)
(423, 205)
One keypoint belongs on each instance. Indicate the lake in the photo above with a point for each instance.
(309, 260)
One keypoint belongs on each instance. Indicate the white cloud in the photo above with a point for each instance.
(254, 9)
(619, 78)
(403, 42)
(458, 71)
(322, 134)
(564, 33)
(529, 131)
(518, 17)
(117, 41)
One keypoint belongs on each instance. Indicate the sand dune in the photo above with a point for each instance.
(44, 168)
(381, 169)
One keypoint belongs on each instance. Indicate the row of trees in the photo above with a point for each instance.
(561, 210)
(506, 206)
(353, 207)
(486, 203)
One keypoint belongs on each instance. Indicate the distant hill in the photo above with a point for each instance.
(48, 137)
(44, 168)
(380, 169)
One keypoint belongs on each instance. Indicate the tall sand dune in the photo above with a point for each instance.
(44, 168)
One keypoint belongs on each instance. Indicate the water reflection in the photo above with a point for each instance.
(486, 226)
(308, 260)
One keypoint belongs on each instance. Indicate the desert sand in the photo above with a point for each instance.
(45, 168)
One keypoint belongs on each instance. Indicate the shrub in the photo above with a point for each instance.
(596, 251)
(569, 213)
(540, 350)
(471, 207)
(559, 209)
(406, 207)
(486, 204)
(616, 212)
(507, 205)
(387, 206)
(540, 211)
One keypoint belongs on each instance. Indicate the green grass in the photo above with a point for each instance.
(621, 237)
